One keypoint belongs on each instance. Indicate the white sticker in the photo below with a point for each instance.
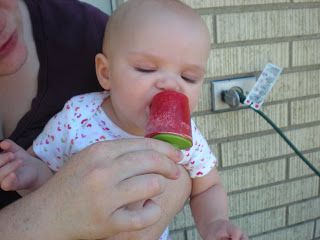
(263, 85)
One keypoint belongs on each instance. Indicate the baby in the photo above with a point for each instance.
(149, 46)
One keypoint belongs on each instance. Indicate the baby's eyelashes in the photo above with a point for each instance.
(145, 70)
(188, 79)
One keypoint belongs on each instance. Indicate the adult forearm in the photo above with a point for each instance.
(209, 206)
(28, 219)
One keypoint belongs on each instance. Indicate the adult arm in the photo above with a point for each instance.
(87, 198)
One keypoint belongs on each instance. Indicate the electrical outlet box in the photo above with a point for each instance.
(218, 86)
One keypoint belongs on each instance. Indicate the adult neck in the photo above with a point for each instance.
(18, 89)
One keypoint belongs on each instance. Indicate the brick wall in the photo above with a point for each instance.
(272, 194)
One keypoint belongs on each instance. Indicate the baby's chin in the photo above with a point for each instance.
(139, 129)
(138, 132)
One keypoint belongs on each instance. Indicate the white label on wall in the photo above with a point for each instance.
(263, 86)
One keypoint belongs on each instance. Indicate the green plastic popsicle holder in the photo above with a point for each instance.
(177, 141)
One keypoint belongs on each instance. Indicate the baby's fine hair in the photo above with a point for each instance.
(131, 8)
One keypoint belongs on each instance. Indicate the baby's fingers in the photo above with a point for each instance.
(5, 158)
(8, 168)
(10, 182)
(237, 234)
(10, 146)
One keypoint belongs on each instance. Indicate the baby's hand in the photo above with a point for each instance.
(224, 230)
(16, 167)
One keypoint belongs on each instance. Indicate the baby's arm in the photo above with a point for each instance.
(210, 209)
(20, 170)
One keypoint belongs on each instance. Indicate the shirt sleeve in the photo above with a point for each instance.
(199, 159)
(54, 143)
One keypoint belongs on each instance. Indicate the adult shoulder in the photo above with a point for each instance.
(64, 21)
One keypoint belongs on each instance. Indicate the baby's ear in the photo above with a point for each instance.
(102, 71)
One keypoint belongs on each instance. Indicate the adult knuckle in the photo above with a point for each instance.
(158, 159)
(95, 148)
(150, 143)
(123, 163)
(94, 180)
(155, 184)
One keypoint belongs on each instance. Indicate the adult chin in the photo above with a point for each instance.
(12, 60)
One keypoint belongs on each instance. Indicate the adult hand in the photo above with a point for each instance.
(88, 196)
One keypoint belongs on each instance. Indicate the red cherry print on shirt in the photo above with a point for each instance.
(84, 120)
(199, 173)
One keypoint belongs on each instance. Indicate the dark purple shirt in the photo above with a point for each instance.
(68, 35)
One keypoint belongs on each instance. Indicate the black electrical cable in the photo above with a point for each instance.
(278, 130)
(293, 147)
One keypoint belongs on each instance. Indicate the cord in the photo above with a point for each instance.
(278, 130)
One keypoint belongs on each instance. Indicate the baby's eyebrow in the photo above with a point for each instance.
(195, 67)
(141, 54)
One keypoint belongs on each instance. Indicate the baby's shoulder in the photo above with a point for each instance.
(82, 107)
(85, 102)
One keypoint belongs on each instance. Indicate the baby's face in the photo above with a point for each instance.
(159, 55)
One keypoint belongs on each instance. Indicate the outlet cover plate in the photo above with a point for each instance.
(218, 86)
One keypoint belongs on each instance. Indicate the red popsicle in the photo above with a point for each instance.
(169, 119)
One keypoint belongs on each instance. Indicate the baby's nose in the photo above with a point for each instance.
(168, 83)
